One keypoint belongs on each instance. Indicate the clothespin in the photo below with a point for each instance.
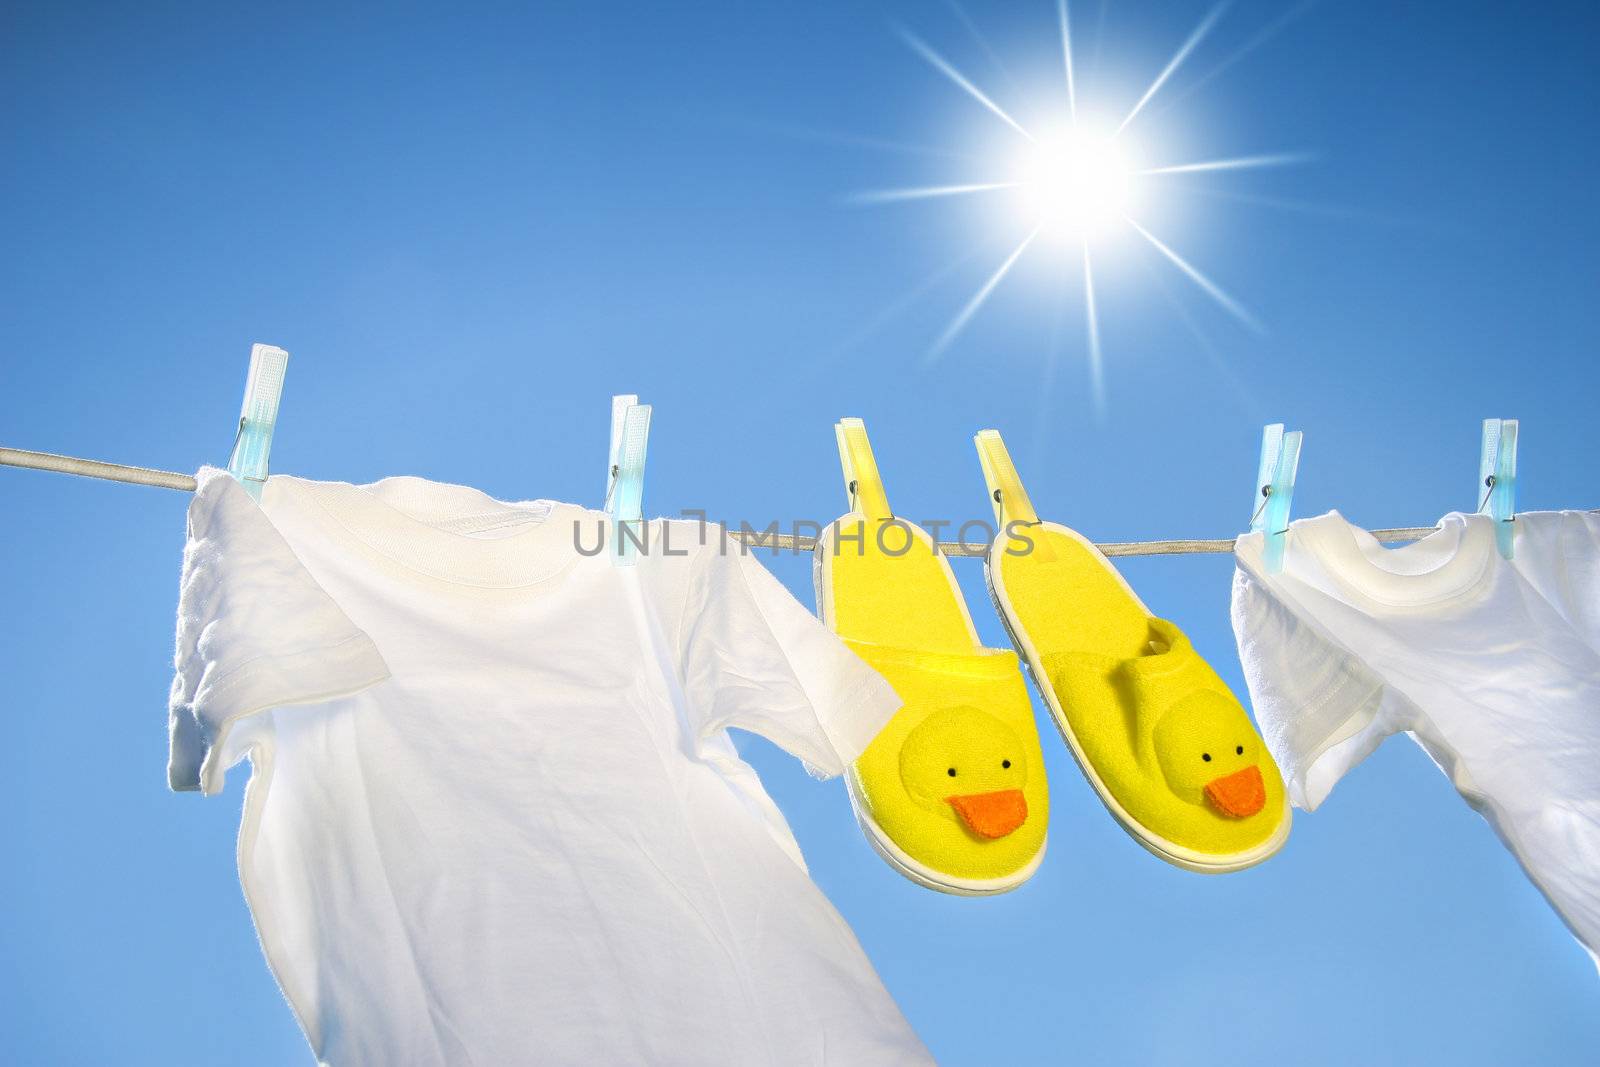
(1010, 500)
(1280, 459)
(630, 434)
(862, 483)
(1497, 479)
(253, 442)
(1011, 504)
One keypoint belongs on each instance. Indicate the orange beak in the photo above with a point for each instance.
(1240, 794)
(992, 814)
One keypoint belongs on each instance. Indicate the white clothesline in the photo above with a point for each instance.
(117, 472)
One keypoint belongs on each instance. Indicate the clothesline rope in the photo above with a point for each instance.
(117, 472)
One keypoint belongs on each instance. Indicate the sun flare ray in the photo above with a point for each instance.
(1209, 287)
(885, 314)
(939, 63)
(1274, 159)
(959, 323)
(1066, 59)
(926, 192)
(1176, 61)
(1091, 318)
(1261, 37)
(980, 40)
(1239, 390)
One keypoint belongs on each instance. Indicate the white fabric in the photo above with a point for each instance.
(1492, 665)
(494, 815)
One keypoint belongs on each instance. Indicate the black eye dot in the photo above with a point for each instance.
(1006, 764)
(951, 772)
(1206, 756)
(1238, 750)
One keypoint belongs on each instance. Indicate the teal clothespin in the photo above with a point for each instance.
(630, 434)
(1280, 460)
(253, 442)
(1497, 479)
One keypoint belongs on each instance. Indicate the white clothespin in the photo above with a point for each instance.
(1280, 461)
(252, 444)
(1497, 479)
(630, 435)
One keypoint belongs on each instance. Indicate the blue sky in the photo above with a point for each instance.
(471, 229)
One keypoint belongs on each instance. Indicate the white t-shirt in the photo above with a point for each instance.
(1492, 665)
(495, 816)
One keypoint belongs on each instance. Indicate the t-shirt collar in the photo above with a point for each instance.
(1441, 566)
(448, 532)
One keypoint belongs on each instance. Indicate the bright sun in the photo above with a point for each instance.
(1075, 186)
(1074, 183)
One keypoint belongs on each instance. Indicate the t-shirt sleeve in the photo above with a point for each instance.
(1558, 552)
(255, 631)
(1320, 707)
(752, 656)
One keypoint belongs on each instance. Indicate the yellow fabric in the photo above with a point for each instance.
(886, 593)
(1152, 719)
(966, 710)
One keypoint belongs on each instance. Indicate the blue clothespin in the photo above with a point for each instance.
(630, 434)
(253, 442)
(1497, 479)
(1280, 460)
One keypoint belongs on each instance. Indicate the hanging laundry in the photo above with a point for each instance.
(1492, 665)
(1167, 747)
(494, 814)
(953, 792)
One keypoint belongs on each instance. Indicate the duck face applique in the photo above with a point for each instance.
(1210, 755)
(967, 765)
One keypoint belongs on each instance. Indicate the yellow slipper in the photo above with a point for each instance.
(1158, 735)
(952, 791)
